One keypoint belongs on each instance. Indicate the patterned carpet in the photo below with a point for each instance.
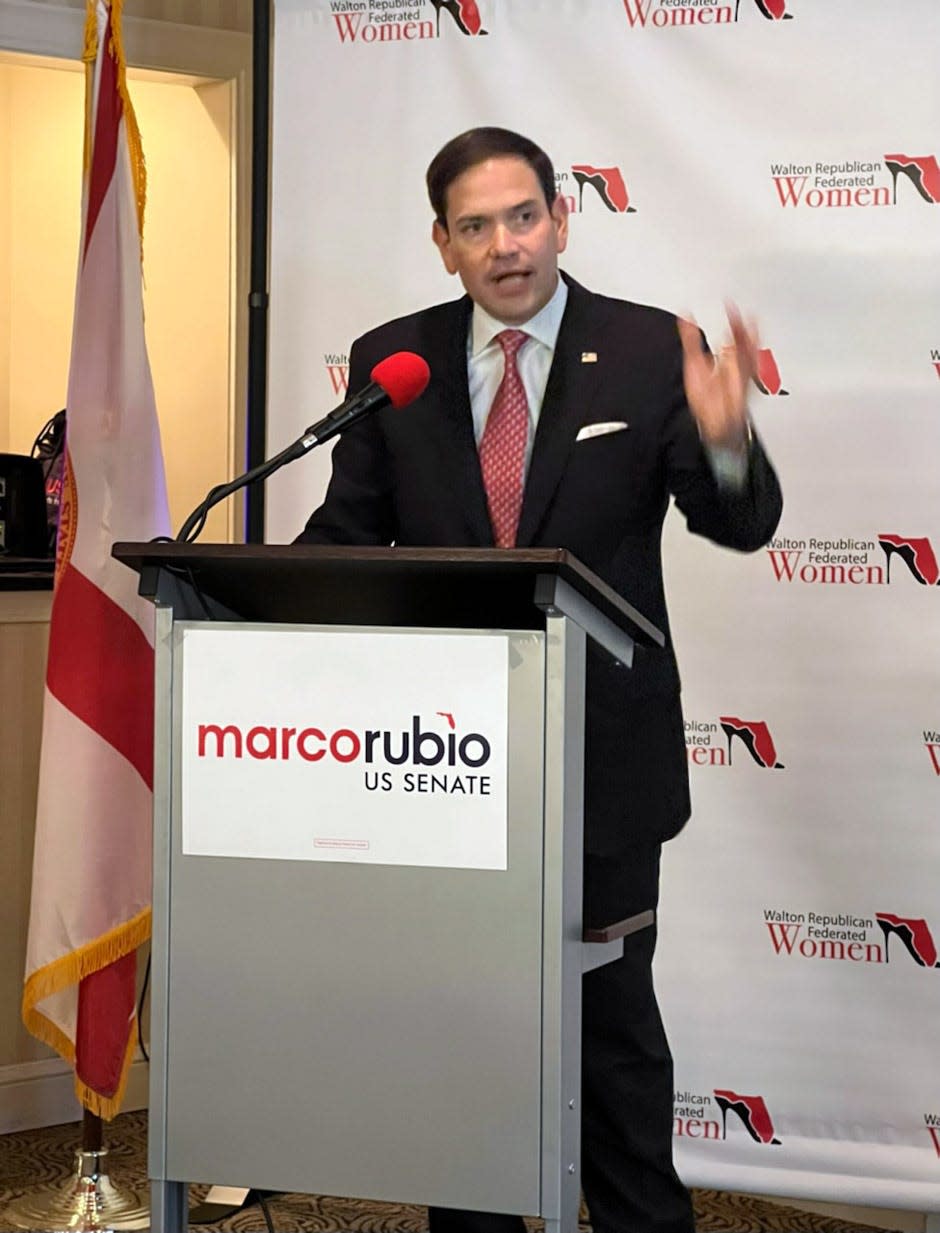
(34, 1159)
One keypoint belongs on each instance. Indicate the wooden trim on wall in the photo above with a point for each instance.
(46, 30)
(35, 1094)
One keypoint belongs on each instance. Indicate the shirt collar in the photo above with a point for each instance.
(544, 326)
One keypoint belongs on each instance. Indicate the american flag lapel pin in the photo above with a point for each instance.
(588, 357)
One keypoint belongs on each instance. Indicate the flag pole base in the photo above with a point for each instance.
(88, 1201)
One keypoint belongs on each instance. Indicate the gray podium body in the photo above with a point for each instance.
(401, 1032)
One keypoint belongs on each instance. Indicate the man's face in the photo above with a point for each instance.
(502, 239)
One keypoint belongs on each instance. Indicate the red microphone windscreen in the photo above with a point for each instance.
(403, 376)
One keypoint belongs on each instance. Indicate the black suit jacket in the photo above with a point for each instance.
(413, 477)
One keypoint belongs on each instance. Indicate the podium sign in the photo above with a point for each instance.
(386, 748)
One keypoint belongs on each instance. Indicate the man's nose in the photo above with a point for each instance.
(503, 241)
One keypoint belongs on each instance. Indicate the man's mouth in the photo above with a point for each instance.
(511, 277)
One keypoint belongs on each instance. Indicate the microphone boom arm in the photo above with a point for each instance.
(398, 379)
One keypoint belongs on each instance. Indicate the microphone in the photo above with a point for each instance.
(398, 379)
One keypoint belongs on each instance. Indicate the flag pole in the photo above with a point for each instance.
(92, 1132)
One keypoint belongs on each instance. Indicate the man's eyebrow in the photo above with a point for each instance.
(528, 204)
(513, 209)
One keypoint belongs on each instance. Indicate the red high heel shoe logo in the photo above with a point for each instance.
(756, 738)
(607, 182)
(767, 376)
(923, 172)
(917, 554)
(914, 932)
(751, 1110)
(465, 14)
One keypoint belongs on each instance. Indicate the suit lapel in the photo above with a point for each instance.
(568, 395)
(452, 421)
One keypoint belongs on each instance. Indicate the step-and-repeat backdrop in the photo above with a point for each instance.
(784, 154)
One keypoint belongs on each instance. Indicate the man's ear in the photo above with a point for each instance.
(441, 237)
(559, 213)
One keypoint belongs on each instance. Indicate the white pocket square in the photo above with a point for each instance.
(601, 430)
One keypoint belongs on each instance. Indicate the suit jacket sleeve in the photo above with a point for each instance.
(741, 518)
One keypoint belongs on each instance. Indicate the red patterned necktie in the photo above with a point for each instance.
(503, 444)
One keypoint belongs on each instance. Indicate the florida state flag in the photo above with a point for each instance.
(91, 868)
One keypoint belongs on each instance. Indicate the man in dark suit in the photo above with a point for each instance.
(556, 417)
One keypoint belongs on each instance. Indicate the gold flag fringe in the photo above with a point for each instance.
(90, 49)
(134, 145)
(138, 166)
(69, 970)
(109, 1107)
(86, 960)
(89, 55)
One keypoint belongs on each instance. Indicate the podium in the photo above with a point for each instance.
(367, 935)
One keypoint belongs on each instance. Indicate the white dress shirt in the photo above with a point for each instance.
(486, 363)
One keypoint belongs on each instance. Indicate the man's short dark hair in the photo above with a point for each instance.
(476, 146)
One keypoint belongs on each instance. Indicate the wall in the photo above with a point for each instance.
(186, 131)
(216, 14)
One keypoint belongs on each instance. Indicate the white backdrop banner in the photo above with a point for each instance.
(782, 153)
